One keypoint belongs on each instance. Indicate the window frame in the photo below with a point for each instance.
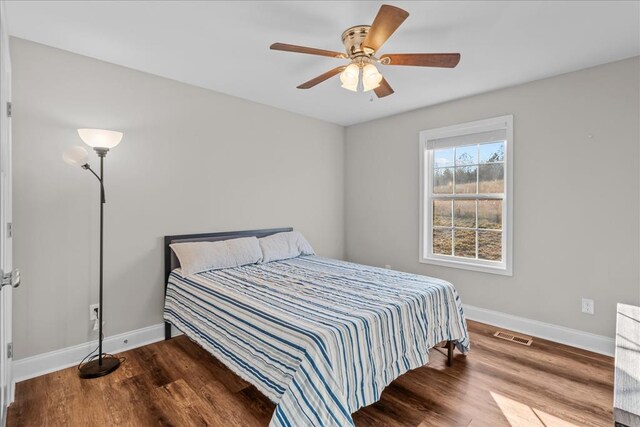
(426, 255)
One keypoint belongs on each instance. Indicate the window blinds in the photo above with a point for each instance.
(467, 139)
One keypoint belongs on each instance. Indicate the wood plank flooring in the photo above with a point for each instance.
(176, 383)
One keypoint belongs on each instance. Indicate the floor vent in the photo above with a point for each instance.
(520, 339)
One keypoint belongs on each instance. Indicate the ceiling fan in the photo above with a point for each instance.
(362, 43)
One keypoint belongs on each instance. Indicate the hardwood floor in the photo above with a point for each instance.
(176, 383)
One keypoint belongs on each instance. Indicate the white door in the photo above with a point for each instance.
(10, 278)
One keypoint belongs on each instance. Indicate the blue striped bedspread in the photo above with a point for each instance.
(321, 338)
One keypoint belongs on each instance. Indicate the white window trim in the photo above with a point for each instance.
(426, 256)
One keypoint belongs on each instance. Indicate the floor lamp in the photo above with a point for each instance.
(94, 366)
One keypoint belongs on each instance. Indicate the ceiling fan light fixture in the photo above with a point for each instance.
(362, 44)
(371, 78)
(349, 77)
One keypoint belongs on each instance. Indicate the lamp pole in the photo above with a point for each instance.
(102, 201)
(102, 364)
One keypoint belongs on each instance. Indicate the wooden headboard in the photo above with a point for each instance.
(171, 261)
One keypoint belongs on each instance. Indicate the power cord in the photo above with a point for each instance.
(91, 357)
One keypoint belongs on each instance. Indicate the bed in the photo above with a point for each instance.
(319, 337)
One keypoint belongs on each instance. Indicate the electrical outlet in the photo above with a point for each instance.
(387, 266)
(94, 309)
(588, 306)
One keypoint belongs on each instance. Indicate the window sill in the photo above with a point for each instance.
(500, 269)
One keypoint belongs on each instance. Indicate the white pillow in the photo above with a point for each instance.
(284, 246)
(196, 257)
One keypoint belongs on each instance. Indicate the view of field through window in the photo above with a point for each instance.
(468, 227)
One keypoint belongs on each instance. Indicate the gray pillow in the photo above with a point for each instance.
(196, 257)
(284, 246)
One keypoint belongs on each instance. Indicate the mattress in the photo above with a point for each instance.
(319, 337)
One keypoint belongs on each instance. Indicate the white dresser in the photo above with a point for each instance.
(626, 397)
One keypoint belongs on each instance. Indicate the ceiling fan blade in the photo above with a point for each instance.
(387, 21)
(384, 89)
(311, 83)
(445, 60)
(309, 50)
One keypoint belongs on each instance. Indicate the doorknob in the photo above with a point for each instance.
(11, 279)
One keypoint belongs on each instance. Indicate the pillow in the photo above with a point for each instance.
(284, 246)
(196, 257)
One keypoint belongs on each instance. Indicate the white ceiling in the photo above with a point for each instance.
(224, 46)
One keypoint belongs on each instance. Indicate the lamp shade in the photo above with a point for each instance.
(100, 138)
(76, 156)
(371, 78)
(349, 77)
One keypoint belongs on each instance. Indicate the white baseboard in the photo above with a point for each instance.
(560, 334)
(41, 364)
(34, 366)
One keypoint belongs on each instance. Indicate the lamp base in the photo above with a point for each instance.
(94, 369)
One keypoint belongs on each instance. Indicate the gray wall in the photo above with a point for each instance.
(576, 203)
(191, 160)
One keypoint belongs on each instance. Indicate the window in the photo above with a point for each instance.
(466, 174)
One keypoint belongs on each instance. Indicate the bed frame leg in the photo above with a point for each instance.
(450, 348)
(167, 331)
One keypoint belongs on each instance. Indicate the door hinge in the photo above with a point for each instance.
(10, 350)
(10, 279)
(9, 109)
(9, 229)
